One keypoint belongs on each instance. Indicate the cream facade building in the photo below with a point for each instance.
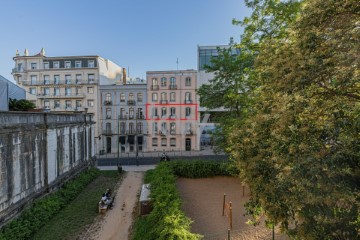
(67, 83)
(172, 110)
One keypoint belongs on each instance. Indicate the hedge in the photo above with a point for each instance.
(42, 210)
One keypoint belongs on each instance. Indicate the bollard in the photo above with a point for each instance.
(230, 215)
(224, 204)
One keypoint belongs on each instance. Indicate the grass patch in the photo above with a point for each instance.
(81, 212)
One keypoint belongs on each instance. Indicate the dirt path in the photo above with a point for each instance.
(202, 202)
(116, 222)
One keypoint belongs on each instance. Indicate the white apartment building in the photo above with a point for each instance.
(66, 83)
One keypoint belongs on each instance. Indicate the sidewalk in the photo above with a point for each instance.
(204, 152)
(140, 168)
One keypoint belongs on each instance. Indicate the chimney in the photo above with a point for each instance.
(124, 76)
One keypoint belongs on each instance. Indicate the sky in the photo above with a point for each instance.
(140, 35)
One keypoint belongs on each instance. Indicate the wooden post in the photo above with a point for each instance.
(230, 215)
(228, 234)
(243, 190)
(224, 205)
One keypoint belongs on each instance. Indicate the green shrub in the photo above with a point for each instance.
(166, 221)
(42, 210)
(202, 169)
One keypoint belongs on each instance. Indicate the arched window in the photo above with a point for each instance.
(172, 128)
(187, 112)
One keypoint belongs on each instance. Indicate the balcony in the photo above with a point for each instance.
(172, 132)
(108, 116)
(131, 102)
(140, 117)
(188, 101)
(108, 132)
(18, 70)
(78, 95)
(172, 86)
(162, 132)
(107, 103)
(188, 132)
(164, 101)
(172, 116)
(154, 87)
(122, 117)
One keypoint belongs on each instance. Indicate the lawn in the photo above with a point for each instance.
(81, 212)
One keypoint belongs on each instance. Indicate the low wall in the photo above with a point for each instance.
(38, 152)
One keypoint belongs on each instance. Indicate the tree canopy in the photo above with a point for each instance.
(298, 146)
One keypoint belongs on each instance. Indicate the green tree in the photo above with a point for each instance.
(20, 105)
(299, 151)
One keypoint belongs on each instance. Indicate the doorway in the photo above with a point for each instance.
(187, 144)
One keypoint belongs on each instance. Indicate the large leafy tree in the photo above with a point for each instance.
(20, 105)
(300, 150)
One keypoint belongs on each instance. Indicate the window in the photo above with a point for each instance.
(122, 97)
(108, 97)
(172, 81)
(68, 104)
(154, 97)
(77, 92)
(173, 142)
(46, 91)
(163, 142)
(46, 65)
(122, 127)
(67, 91)
(154, 81)
(155, 112)
(33, 79)
(67, 79)
(122, 113)
(108, 127)
(77, 64)
(56, 79)
(172, 128)
(108, 113)
(32, 90)
(90, 103)
(131, 113)
(139, 97)
(163, 96)
(46, 79)
(33, 66)
(155, 127)
(187, 112)
(91, 78)
(78, 103)
(131, 128)
(131, 96)
(172, 112)
(188, 81)
(188, 127)
(90, 90)
(163, 112)
(46, 103)
(91, 63)
(172, 97)
(56, 64)
(139, 128)
(56, 91)
(140, 113)
(188, 97)
(67, 64)
(57, 104)
(163, 127)
(78, 78)
(163, 82)
(154, 142)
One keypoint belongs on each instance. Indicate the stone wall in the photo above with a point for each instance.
(38, 152)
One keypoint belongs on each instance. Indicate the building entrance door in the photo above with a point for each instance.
(187, 144)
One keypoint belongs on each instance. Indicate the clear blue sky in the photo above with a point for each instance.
(141, 35)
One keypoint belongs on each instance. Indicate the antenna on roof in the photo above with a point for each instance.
(177, 63)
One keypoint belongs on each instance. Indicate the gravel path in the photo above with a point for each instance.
(116, 222)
